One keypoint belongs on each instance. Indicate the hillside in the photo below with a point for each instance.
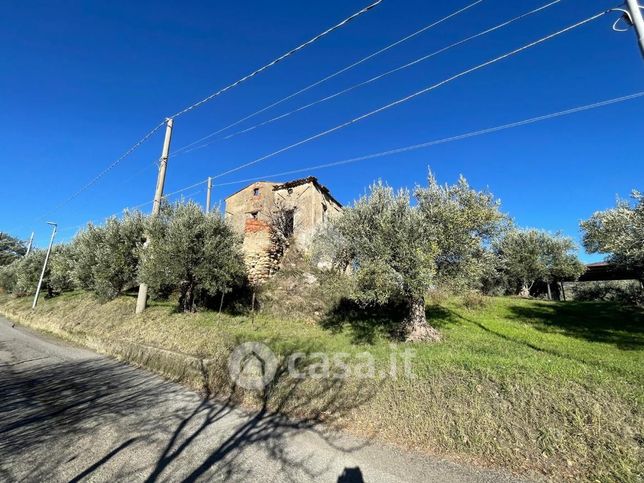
(544, 387)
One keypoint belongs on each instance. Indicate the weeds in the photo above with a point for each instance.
(533, 386)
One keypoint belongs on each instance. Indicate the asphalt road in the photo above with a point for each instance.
(67, 414)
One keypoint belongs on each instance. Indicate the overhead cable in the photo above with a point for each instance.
(278, 59)
(373, 79)
(206, 99)
(330, 76)
(435, 142)
(415, 94)
(412, 147)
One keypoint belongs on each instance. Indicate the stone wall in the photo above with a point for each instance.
(257, 248)
(250, 210)
(312, 208)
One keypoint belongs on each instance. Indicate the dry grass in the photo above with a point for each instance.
(552, 389)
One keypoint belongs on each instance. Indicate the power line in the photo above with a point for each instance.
(185, 189)
(147, 136)
(127, 180)
(331, 76)
(100, 175)
(278, 59)
(403, 149)
(141, 205)
(435, 142)
(375, 78)
(167, 195)
(411, 96)
(414, 95)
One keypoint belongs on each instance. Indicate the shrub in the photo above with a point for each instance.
(300, 290)
(474, 300)
(622, 291)
(437, 296)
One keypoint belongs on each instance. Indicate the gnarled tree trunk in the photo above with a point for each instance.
(415, 326)
(187, 297)
(525, 290)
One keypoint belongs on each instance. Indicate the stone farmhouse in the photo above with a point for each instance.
(301, 206)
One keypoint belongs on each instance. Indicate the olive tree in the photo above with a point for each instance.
(85, 246)
(462, 222)
(8, 277)
(386, 241)
(21, 276)
(399, 250)
(27, 272)
(618, 232)
(529, 256)
(11, 248)
(195, 253)
(106, 258)
(61, 267)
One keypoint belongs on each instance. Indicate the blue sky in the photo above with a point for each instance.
(82, 81)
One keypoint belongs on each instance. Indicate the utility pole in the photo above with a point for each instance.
(208, 194)
(142, 298)
(31, 241)
(44, 266)
(638, 22)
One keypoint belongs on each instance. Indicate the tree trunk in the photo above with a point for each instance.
(415, 326)
(525, 291)
(187, 298)
(549, 292)
(252, 307)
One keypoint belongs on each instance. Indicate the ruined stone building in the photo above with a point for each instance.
(301, 205)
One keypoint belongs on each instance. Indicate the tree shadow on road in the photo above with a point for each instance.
(49, 408)
(81, 418)
(287, 406)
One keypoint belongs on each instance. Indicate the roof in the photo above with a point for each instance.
(252, 184)
(601, 271)
(309, 179)
(598, 264)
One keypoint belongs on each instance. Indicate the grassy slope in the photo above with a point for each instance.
(550, 387)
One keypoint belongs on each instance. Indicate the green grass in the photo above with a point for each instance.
(533, 386)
